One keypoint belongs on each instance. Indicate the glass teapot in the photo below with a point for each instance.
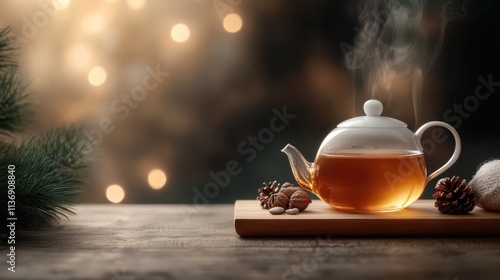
(369, 163)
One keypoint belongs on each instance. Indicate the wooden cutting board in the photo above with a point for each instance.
(420, 219)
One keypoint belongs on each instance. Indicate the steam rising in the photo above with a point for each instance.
(391, 45)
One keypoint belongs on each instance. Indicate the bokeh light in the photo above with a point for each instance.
(136, 4)
(180, 33)
(115, 193)
(97, 76)
(93, 23)
(93, 62)
(232, 23)
(77, 57)
(157, 179)
(61, 4)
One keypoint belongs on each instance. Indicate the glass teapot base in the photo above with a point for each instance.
(369, 210)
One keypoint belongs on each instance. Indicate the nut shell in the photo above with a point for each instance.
(278, 200)
(292, 211)
(289, 191)
(276, 210)
(300, 200)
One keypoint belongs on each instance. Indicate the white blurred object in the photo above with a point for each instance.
(486, 184)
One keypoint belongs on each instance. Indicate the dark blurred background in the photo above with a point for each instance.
(231, 65)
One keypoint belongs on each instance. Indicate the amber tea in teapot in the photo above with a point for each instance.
(369, 163)
(369, 182)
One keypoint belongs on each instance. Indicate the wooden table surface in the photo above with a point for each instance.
(135, 242)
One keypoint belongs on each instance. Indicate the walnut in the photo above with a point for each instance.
(300, 200)
(278, 200)
(289, 191)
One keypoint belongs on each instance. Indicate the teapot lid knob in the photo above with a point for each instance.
(373, 108)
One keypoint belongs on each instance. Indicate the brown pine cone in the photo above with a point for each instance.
(265, 193)
(454, 196)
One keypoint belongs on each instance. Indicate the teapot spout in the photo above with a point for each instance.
(301, 168)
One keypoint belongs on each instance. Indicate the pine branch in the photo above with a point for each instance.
(49, 170)
(48, 179)
(14, 111)
(65, 147)
(6, 48)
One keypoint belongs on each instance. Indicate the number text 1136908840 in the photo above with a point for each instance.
(11, 218)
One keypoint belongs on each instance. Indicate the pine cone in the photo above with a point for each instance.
(454, 196)
(266, 191)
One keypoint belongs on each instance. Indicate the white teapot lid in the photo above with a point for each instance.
(373, 108)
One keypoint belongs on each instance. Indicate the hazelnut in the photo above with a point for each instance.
(299, 199)
(289, 191)
(278, 200)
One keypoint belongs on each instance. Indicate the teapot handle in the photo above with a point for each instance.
(456, 152)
